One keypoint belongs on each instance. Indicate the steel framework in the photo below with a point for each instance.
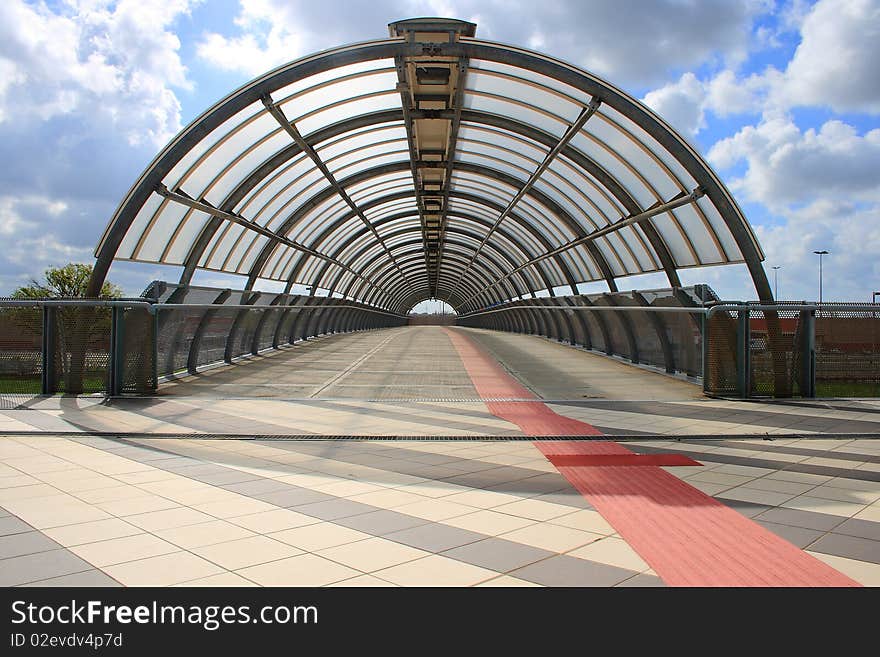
(430, 164)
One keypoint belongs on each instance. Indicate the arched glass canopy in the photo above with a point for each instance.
(430, 165)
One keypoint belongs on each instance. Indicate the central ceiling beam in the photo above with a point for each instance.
(430, 85)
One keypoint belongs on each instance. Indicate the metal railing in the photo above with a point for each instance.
(738, 349)
(114, 347)
(129, 346)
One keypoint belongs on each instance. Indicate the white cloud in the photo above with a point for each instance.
(629, 41)
(850, 232)
(99, 60)
(681, 103)
(835, 64)
(787, 167)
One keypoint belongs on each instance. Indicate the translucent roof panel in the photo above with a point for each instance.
(533, 156)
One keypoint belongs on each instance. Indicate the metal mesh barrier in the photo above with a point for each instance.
(847, 353)
(21, 347)
(720, 354)
(126, 346)
(138, 357)
(80, 344)
(776, 344)
(627, 324)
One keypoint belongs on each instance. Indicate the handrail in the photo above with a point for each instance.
(708, 311)
(826, 307)
(153, 308)
(663, 309)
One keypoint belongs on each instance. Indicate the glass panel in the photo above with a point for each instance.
(362, 138)
(141, 220)
(345, 164)
(731, 250)
(528, 94)
(197, 180)
(576, 95)
(244, 256)
(331, 244)
(701, 237)
(681, 254)
(623, 263)
(503, 138)
(156, 237)
(316, 99)
(385, 101)
(194, 154)
(605, 248)
(266, 190)
(676, 168)
(501, 107)
(508, 156)
(638, 241)
(519, 174)
(244, 166)
(615, 167)
(634, 152)
(322, 213)
(387, 189)
(181, 240)
(341, 75)
(400, 156)
(220, 245)
(611, 207)
(357, 191)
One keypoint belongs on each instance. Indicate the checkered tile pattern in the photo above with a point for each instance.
(230, 512)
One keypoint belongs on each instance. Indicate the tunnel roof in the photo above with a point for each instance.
(430, 164)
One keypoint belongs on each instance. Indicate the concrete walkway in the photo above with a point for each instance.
(486, 509)
(411, 382)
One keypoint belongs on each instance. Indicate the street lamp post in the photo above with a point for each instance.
(820, 254)
(776, 282)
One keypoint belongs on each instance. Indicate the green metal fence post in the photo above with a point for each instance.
(48, 349)
(154, 383)
(117, 339)
(704, 336)
(808, 353)
(743, 352)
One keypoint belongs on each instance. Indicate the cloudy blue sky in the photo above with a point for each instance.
(782, 97)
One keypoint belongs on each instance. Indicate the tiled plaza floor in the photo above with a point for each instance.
(88, 510)
(489, 509)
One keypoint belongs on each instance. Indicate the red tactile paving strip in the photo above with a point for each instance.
(687, 537)
(593, 460)
(490, 380)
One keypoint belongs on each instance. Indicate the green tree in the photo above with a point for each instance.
(82, 333)
(69, 281)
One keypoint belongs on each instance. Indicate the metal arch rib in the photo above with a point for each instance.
(291, 129)
(203, 206)
(513, 239)
(527, 226)
(474, 49)
(682, 199)
(471, 116)
(374, 273)
(572, 130)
